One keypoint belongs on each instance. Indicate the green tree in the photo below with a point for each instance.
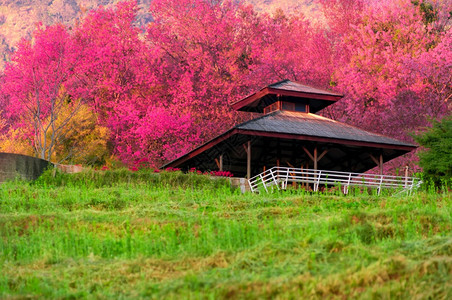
(436, 159)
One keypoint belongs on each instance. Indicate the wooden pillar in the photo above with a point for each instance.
(248, 160)
(302, 183)
(315, 158)
(378, 162)
(219, 162)
(381, 164)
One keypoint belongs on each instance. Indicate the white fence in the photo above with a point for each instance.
(279, 177)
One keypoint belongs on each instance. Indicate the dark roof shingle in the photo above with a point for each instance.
(302, 88)
(290, 91)
(314, 125)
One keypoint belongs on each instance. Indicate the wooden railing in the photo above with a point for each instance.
(279, 177)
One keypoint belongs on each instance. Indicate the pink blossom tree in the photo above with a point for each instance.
(396, 74)
(165, 89)
(204, 58)
(34, 88)
(375, 80)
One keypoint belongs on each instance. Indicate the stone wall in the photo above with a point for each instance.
(21, 166)
(241, 183)
(69, 168)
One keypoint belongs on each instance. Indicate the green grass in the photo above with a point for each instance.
(119, 234)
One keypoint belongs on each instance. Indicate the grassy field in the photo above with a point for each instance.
(142, 235)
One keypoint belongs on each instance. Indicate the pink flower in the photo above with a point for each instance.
(221, 173)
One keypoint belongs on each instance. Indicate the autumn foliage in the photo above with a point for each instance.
(159, 91)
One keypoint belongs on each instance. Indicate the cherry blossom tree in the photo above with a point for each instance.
(376, 80)
(34, 87)
(162, 90)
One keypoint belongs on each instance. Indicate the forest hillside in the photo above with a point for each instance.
(19, 18)
(114, 86)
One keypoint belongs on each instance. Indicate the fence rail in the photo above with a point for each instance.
(279, 177)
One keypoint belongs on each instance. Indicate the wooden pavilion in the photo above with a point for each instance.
(290, 133)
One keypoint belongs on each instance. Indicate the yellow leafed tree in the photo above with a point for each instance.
(14, 142)
(83, 142)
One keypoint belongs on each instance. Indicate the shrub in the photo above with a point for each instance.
(436, 159)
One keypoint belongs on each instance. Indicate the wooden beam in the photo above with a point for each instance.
(250, 99)
(315, 158)
(374, 159)
(308, 153)
(381, 164)
(322, 155)
(378, 162)
(218, 163)
(221, 162)
(303, 94)
(245, 147)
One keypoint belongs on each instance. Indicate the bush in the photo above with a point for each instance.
(436, 159)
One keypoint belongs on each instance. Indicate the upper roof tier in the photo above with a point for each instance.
(289, 91)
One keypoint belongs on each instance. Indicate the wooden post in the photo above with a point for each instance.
(248, 160)
(307, 164)
(381, 164)
(218, 163)
(302, 182)
(221, 162)
(322, 155)
(378, 162)
(315, 158)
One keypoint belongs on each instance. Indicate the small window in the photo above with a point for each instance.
(300, 107)
(288, 106)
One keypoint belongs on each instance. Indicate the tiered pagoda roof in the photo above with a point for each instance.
(289, 133)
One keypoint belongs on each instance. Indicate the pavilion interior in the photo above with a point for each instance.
(267, 152)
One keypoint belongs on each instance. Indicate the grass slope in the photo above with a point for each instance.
(140, 235)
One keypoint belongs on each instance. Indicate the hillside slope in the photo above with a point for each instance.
(142, 235)
(18, 18)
